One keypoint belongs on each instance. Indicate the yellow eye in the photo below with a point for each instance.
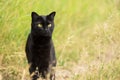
(49, 25)
(39, 25)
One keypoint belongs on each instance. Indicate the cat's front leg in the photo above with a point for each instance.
(52, 73)
(52, 76)
(33, 73)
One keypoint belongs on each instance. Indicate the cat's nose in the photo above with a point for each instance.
(46, 29)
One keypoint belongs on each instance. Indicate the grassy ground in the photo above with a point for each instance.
(86, 38)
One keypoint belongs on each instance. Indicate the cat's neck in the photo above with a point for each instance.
(41, 40)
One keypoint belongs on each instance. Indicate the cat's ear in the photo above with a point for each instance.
(51, 15)
(34, 15)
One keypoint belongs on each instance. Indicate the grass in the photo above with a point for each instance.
(86, 38)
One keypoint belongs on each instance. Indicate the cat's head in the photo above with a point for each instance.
(42, 25)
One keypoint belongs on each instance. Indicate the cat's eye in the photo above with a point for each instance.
(49, 25)
(39, 25)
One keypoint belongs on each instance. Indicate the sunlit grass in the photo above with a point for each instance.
(86, 38)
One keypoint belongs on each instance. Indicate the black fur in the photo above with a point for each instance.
(40, 50)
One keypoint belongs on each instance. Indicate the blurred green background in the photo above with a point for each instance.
(86, 38)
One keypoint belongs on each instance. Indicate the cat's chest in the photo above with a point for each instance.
(41, 54)
(41, 49)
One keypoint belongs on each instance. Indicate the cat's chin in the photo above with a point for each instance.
(49, 36)
(42, 35)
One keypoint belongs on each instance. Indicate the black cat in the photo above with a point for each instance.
(40, 50)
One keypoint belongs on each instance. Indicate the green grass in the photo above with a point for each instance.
(86, 38)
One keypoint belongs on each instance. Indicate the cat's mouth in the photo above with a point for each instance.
(46, 34)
